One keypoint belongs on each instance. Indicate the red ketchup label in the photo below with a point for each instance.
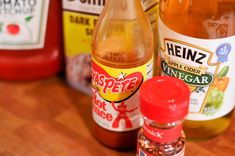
(162, 135)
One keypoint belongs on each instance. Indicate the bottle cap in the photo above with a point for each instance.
(164, 99)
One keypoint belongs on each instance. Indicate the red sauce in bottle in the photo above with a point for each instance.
(122, 55)
(22, 60)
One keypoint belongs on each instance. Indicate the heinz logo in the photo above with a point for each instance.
(187, 52)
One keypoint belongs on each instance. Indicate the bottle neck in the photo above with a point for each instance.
(162, 132)
(123, 3)
(123, 8)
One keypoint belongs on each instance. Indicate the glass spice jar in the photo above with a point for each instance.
(164, 104)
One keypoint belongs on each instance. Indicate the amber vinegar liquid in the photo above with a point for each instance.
(188, 17)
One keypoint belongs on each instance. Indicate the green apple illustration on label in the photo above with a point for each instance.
(216, 93)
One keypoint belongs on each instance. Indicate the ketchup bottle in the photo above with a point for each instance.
(30, 39)
(122, 58)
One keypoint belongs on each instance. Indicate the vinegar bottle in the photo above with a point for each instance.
(197, 43)
(122, 58)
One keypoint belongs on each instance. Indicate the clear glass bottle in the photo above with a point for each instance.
(163, 108)
(208, 29)
(122, 58)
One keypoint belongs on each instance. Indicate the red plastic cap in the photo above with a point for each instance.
(164, 99)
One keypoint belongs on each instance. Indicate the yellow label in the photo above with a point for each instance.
(78, 30)
(116, 95)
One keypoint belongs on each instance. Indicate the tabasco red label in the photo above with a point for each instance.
(115, 96)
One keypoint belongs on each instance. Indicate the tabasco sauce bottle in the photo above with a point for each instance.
(122, 58)
(197, 44)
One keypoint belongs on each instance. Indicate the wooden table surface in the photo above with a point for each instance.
(48, 118)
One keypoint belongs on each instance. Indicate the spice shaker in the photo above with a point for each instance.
(164, 104)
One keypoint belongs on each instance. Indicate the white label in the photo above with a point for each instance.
(23, 24)
(115, 119)
(207, 66)
(86, 6)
